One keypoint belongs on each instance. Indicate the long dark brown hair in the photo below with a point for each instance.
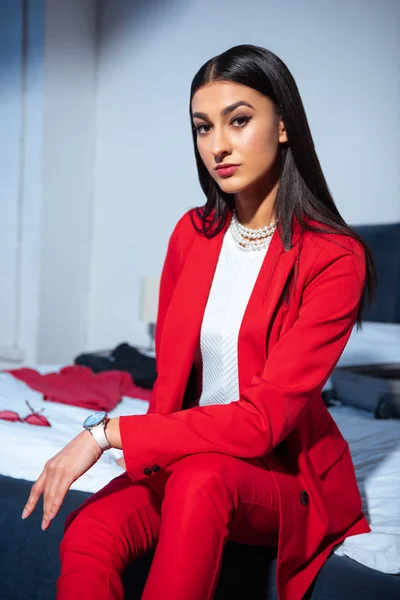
(303, 190)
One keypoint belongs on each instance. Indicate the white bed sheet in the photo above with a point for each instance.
(25, 448)
(375, 449)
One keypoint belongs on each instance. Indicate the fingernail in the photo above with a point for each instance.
(43, 525)
(24, 514)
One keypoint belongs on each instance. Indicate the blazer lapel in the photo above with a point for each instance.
(182, 326)
(263, 302)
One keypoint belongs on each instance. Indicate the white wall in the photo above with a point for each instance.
(11, 125)
(67, 171)
(21, 120)
(47, 120)
(29, 296)
(99, 102)
(345, 57)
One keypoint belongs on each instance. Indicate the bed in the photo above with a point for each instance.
(29, 557)
(25, 448)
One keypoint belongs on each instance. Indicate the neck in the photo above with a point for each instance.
(255, 206)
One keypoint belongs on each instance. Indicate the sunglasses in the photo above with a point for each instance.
(35, 418)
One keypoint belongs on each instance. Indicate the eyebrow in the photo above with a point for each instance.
(225, 111)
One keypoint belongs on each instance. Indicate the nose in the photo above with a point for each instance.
(220, 146)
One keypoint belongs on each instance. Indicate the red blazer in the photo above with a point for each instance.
(285, 356)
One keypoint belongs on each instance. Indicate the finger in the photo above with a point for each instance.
(54, 476)
(35, 493)
(54, 502)
(55, 479)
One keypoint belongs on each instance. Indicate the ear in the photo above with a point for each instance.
(282, 132)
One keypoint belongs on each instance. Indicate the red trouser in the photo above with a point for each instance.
(190, 510)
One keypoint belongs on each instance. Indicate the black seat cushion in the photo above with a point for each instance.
(29, 561)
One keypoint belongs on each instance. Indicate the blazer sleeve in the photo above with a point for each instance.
(279, 395)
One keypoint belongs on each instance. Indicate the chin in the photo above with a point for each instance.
(232, 186)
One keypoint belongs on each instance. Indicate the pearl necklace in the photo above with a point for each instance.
(259, 238)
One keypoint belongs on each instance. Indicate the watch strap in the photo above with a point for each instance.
(99, 435)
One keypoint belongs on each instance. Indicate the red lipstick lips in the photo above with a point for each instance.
(226, 170)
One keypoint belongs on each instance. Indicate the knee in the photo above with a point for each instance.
(81, 521)
(99, 508)
(90, 542)
(88, 513)
(89, 533)
(197, 477)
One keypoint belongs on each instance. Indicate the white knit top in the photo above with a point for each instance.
(236, 273)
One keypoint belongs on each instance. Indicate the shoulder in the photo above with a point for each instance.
(332, 250)
(185, 222)
(181, 238)
(331, 242)
(184, 231)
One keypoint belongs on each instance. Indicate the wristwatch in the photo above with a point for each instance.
(96, 424)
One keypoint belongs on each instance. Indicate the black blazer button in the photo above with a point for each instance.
(156, 468)
(148, 471)
(304, 498)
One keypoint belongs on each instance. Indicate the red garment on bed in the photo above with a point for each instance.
(79, 386)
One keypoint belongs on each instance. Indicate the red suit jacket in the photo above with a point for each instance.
(286, 352)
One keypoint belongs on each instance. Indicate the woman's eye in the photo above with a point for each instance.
(241, 121)
(201, 129)
(204, 128)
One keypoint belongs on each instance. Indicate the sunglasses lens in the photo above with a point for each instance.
(9, 415)
(37, 420)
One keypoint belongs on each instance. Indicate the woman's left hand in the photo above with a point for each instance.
(60, 472)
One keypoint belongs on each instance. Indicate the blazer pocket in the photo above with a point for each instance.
(327, 450)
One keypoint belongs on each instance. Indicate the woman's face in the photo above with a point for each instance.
(237, 125)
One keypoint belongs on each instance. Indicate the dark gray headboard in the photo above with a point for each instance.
(384, 242)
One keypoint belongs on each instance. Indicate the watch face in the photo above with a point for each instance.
(94, 419)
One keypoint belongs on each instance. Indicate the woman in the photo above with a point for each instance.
(259, 293)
